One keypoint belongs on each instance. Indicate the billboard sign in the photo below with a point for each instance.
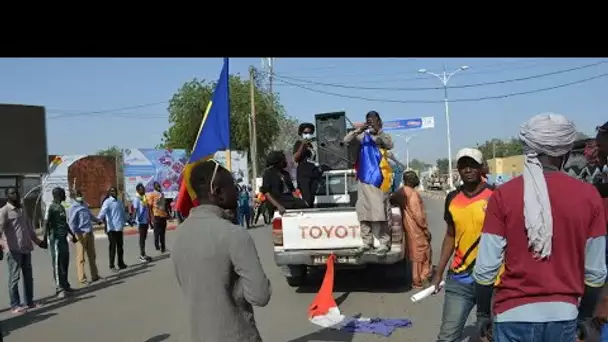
(146, 166)
(239, 165)
(25, 149)
(409, 124)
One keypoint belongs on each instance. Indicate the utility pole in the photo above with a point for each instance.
(253, 140)
(270, 79)
(444, 77)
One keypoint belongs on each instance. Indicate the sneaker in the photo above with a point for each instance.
(123, 266)
(94, 280)
(34, 306)
(143, 258)
(61, 295)
(113, 270)
(148, 258)
(17, 310)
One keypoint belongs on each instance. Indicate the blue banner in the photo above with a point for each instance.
(409, 124)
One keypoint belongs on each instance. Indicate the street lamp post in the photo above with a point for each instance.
(445, 77)
(406, 139)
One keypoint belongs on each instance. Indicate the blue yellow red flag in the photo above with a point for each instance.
(372, 165)
(213, 136)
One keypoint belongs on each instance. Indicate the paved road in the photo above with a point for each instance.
(143, 302)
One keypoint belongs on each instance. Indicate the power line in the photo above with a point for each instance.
(477, 99)
(109, 110)
(470, 85)
(115, 115)
(479, 70)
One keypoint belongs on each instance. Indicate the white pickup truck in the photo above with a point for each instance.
(304, 238)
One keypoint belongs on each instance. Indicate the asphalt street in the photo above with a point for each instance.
(143, 303)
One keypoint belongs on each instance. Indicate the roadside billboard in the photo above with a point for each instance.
(92, 175)
(24, 134)
(165, 166)
(239, 165)
(147, 165)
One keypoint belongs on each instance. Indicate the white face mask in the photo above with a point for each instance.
(307, 136)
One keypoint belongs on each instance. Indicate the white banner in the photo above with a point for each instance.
(239, 165)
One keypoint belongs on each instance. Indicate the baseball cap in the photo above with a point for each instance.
(472, 153)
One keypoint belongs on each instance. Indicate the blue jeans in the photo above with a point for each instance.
(20, 263)
(244, 217)
(564, 331)
(457, 305)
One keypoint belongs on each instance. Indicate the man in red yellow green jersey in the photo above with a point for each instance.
(464, 215)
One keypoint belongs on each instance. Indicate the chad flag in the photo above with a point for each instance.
(213, 136)
(372, 165)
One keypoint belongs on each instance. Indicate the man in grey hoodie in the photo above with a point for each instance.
(216, 263)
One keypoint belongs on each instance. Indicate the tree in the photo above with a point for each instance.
(498, 148)
(188, 104)
(116, 152)
(443, 165)
(419, 165)
(287, 135)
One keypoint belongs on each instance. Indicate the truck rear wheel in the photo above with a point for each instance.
(296, 276)
(296, 281)
(399, 272)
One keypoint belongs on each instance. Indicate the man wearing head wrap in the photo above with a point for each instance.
(558, 258)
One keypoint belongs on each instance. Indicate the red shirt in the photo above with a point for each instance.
(578, 214)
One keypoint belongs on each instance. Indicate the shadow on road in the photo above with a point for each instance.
(363, 280)
(258, 226)
(52, 303)
(329, 335)
(158, 338)
(160, 257)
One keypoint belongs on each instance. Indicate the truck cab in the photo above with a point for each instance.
(304, 238)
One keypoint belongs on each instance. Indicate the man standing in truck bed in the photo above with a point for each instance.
(375, 181)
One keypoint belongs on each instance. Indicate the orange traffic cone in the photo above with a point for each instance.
(323, 310)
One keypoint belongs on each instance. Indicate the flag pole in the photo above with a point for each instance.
(229, 160)
(228, 153)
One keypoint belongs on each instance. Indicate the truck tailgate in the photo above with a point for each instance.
(319, 229)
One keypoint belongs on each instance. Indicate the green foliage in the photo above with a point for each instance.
(497, 148)
(188, 104)
(443, 165)
(112, 151)
(287, 137)
(419, 165)
(116, 152)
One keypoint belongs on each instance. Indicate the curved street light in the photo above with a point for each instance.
(445, 77)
